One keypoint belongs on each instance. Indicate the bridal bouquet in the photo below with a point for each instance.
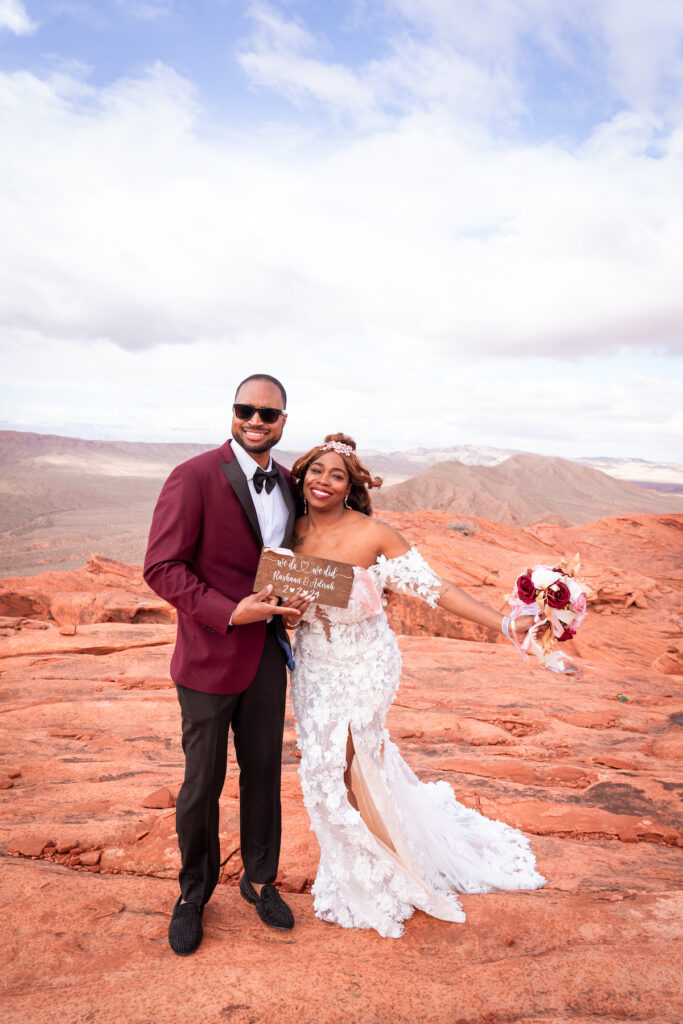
(559, 601)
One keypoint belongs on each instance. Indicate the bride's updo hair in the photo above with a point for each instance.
(360, 478)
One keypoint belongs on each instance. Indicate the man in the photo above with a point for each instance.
(214, 514)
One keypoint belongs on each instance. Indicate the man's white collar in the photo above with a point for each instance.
(247, 464)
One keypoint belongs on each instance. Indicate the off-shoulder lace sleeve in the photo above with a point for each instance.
(408, 574)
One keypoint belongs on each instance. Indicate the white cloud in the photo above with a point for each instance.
(277, 57)
(644, 49)
(634, 47)
(15, 17)
(493, 29)
(412, 75)
(414, 245)
(126, 219)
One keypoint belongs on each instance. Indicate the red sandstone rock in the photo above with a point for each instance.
(95, 725)
(99, 638)
(10, 623)
(608, 959)
(668, 748)
(104, 905)
(154, 853)
(622, 763)
(28, 846)
(159, 798)
(90, 857)
(105, 591)
(671, 662)
(101, 565)
(295, 883)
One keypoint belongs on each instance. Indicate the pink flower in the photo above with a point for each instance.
(579, 605)
(526, 591)
(558, 595)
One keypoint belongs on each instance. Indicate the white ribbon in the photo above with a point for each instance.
(554, 661)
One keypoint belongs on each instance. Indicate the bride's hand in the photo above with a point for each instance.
(521, 626)
(294, 608)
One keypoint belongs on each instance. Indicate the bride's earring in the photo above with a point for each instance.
(346, 500)
(305, 507)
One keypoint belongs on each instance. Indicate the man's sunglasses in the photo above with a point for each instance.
(266, 414)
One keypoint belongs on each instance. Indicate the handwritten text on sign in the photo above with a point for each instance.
(289, 574)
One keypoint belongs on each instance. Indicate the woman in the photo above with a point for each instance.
(388, 843)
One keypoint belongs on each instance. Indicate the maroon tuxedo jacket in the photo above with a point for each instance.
(203, 550)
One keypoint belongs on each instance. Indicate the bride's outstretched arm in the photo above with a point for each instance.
(455, 600)
(392, 545)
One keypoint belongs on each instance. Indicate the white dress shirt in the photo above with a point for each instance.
(271, 510)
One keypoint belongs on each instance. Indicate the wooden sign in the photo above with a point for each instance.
(289, 574)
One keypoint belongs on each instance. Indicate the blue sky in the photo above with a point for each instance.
(202, 40)
(440, 223)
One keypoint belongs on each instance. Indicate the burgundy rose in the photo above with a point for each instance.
(526, 591)
(558, 595)
(568, 634)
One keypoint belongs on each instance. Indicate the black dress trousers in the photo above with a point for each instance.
(257, 717)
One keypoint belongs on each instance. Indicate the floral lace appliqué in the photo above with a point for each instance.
(347, 673)
(408, 574)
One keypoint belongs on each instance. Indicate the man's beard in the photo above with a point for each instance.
(256, 446)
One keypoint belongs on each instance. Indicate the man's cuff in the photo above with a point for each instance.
(216, 611)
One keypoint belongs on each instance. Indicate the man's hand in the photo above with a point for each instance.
(257, 607)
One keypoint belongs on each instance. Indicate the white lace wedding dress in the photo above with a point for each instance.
(419, 846)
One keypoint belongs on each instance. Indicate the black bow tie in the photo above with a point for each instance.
(262, 477)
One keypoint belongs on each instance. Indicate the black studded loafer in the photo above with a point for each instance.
(270, 906)
(185, 930)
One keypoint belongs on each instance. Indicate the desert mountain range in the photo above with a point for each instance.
(524, 489)
(62, 498)
(397, 466)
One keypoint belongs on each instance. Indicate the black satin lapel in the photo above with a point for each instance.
(240, 485)
(289, 502)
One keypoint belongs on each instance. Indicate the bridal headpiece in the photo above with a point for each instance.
(336, 446)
